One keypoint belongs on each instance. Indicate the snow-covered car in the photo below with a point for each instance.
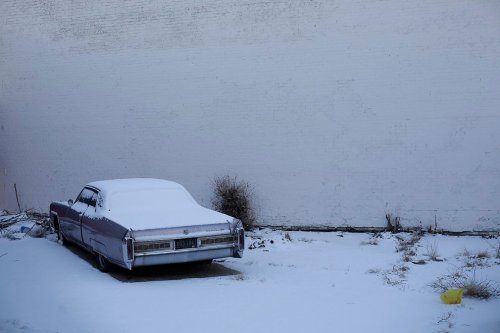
(142, 222)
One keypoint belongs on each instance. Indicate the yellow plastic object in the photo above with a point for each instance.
(452, 296)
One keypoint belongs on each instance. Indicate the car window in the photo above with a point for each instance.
(100, 200)
(87, 196)
(93, 200)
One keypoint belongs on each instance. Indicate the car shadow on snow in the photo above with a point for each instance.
(162, 272)
(172, 272)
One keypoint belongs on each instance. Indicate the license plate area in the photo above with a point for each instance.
(186, 243)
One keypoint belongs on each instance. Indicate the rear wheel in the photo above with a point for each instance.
(102, 263)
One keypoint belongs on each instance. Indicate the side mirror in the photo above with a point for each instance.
(70, 202)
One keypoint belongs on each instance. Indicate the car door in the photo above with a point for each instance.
(100, 234)
(92, 225)
(72, 228)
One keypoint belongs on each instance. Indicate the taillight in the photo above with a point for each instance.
(130, 249)
(241, 239)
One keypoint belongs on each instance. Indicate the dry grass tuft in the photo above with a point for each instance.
(483, 255)
(432, 251)
(408, 246)
(472, 287)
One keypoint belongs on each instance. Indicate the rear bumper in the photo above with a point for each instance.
(188, 255)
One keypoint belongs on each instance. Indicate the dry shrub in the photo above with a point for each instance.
(408, 246)
(234, 197)
(393, 223)
(483, 255)
(472, 287)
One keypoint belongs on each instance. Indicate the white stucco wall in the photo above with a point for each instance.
(337, 112)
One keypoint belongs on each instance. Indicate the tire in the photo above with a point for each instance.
(102, 263)
(60, 237)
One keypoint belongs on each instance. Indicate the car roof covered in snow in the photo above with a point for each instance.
(141, 193)
(128, 184)
(145, 203)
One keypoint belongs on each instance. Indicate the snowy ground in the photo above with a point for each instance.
(289, 282)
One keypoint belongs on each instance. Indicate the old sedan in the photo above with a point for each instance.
(141, 222)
